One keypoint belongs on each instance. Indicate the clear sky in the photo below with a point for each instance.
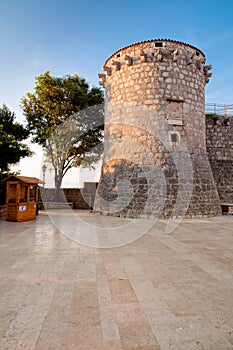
(78, 36)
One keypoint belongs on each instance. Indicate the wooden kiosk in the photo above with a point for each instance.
(21, 198)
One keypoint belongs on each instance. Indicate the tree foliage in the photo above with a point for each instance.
(11, 147)
(60, 121)
(11, 135)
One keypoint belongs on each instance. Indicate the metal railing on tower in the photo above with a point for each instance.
(219, 109)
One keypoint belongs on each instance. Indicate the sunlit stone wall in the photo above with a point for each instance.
(155, 162)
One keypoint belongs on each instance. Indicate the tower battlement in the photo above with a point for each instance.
(156, 51)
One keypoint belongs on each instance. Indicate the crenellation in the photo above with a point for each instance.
(108, 70)
(102, 80)
(158, 55)
(198, 64)
(175, 54)
(129, 60)
(117, 65)
(189, 57)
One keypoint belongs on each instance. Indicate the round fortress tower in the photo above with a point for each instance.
(155, 162)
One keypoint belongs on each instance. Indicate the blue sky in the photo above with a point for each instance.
(78, 36)
(70, 36)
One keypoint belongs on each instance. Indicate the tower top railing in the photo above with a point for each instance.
(219, 109)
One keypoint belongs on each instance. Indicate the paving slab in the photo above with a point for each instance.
(145, 289)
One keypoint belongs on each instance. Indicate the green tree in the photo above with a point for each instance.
(11, 135)
(11, 147)
(60, 121)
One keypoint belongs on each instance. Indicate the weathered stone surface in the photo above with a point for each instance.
(81, 198)
(153, 167)
(219, 142)
(161, 292)
(2, 211)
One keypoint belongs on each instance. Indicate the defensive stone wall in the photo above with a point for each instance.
(219, 142)
(155, 160)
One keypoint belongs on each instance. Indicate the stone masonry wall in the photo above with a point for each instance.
(81, 198)
(155, 161)
(219, 142)
(2, 211)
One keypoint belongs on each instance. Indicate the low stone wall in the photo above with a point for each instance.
(81, 198)
(55, 205)
(2, 211)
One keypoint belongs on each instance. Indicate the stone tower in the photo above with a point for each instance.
(155, 162)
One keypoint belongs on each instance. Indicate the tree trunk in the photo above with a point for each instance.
(58, 181)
